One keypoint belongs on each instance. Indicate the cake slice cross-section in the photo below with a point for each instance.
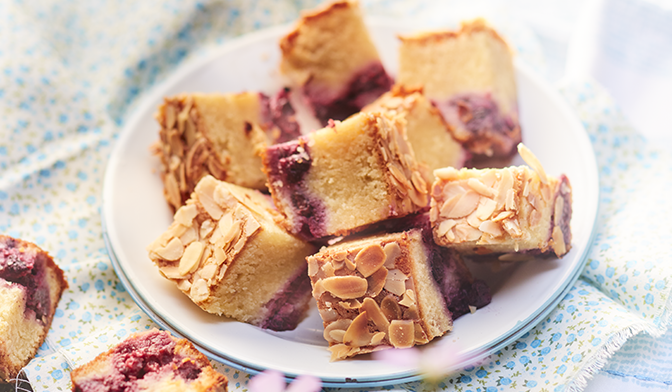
(468, 74)
(345, 177)
(220, 135)
(331, 57)
(514, 213)
(227, 254)
(390, 290)
(31, 285)
(149, 361)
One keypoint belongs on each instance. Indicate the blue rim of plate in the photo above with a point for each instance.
(492, 347)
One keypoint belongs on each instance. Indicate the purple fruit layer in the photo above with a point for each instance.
(288, 305)
(27, 269)
(279, 111)
(144, 356)
(363, 88)
(566, 210)
(480, 115)
(287, 165)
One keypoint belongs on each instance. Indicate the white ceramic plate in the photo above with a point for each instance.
(135, 213)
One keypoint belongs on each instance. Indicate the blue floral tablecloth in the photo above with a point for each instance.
(70, 75)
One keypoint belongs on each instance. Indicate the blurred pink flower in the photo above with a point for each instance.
(274, 381)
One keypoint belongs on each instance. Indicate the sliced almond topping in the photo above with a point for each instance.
(169, 115)
(339, 351)
(446, 173)
(171, 272)
(251, 226)
(184, 285)
(479, 187)
(473, 220)
(464, 206)
(358, 332)
(557, 212)
(533, 162)
(505, 183)
(204, 190)
(503, 215)
(418, 182)
(340, 256)
(191, 258)
(190, 235)
(420, 335)
(375, 314)
(445, 226)
(219, 254)
(186, 214)
(452, 189)
(392, 251)
(318, 289)
(173, 190)
(377, 338)
(349, 264)
(370, 259)
(433, 211)
(491, 228)
(328, 269)
(399, 175)
(448, 205)
(351, 304)
(172, 251)
(411, 313)
(466, 233)
(512, 227)
(329, 314)
(559, 246)
(534, 202)
(206, 228)
(199, 291)
(376, 282)
(312, 265)
(395, 282)
(511, 200)
(345, 287)
(208, 271)
(408, 298)
(390, 308)
(402, 333)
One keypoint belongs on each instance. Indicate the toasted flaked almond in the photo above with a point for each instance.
(464, 206)
(419, 183)
(172, 190)
(394, 284)
(169, 115)
(199, 291)
(172, 251)
(175, 143)
(392, 251)
(558, 244)
(376, 282)
(557, 211)
(533, 162)
(445, 226)
(171, 272)
(377, 338)
(466, 233)
(398, 174)
(446, 173)
(351, 304)
(208, 271)
(420, 335)
(402, 333)
(206, 228)
(312, 265)
(336, 335)
(390, 308)
(238, 246)
(512, 227)
(186, 214)
(328, 269)
(190, 235)
(252, 225)
(184, 285)
(448, 205)
(349, 264)
(370, 259)
(503, 215)
(511, 200)
(533, 200)
(545, 192)
(204, 191)
(375, 314)
(340, 256)
(433, 211)
(408, 299)
(339, 351)
(358, 333)
(318, 289)
(191, 258)
(328, 314)
(492, 228)
(411, 312)
(338, 325)
(480, 188)
(452, 189)
(473, 220)
(527, 187)
(505, 183)
(345, 287)
(418, 198)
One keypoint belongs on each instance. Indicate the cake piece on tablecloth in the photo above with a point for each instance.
(31, 285)
(345, 177)
(330, 55)
(514, 213)
(469, 76)
(227, 254)
(149, 361)
(219, 135)
(388, 290)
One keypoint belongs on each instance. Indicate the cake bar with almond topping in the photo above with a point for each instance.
(330, 55)
(149, 361)
(225, 252)
(220, 135)
(345, 177)
(31, 285)
(514, 213)
(391, 290)
(469, 75)
(427, 132)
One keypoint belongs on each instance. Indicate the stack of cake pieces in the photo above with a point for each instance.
(372, 214)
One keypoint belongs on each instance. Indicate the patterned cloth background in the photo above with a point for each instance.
(71, 73)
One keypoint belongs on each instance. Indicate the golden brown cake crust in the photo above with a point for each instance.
(467, 28)
(57, 284)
